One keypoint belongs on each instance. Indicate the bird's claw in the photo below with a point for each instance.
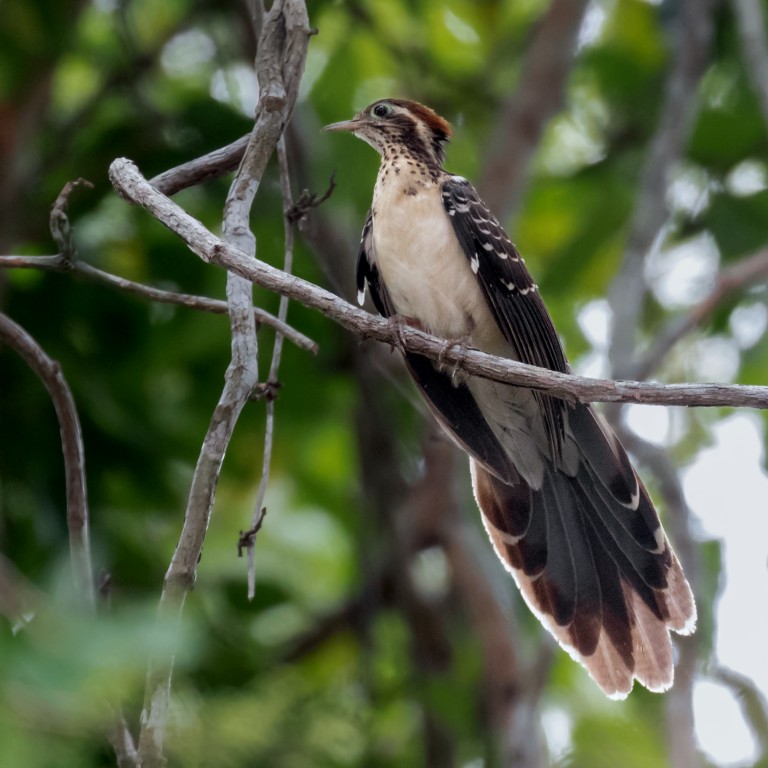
(463, 345)
(399, 323)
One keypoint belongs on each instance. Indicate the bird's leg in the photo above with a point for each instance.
(448, 345)
(399, 323)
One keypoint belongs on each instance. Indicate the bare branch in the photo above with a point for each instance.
(49, 372)
(214, 165)
(122, 742)
(733, 279)
(272, 378)
(59, 221)
(628, 292)
(538, 97)
(753, 703)
(279, 64)
(129, 182)
(59, 263)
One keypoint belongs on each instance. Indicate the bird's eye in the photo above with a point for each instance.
(382, 110)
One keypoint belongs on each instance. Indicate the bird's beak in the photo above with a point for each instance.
(345, 125)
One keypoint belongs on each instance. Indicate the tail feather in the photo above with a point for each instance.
(648, 566)
(615, 478)
(556, 587)
(609, 600)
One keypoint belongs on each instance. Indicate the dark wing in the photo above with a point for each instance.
(453, 406)
(368, 273)
(511, 293)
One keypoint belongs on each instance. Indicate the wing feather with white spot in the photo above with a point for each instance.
(511, 293)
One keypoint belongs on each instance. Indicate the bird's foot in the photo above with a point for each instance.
(463, 345)
(399, 323)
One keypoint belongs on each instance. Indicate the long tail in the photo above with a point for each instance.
(592, 561)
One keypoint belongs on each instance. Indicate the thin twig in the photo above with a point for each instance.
(129, 182)
(679, 700)
(60, 263)
(753, 704)
(734, 278)
(272, 378)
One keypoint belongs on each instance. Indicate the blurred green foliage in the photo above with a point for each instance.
(84, 82)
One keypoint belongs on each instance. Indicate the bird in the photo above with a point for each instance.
(565, 511)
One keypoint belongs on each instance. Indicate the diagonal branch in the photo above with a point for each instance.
(736, 277)
(60, 263)
(129, 182)
(213, 165)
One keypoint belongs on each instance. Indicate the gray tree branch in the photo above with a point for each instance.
(129, 182)
(279, 66)
(248, 539)
(733, 279)
(49, 372)
(61, 263)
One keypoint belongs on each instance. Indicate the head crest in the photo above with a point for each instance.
(437, 124)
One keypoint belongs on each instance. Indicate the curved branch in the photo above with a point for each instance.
(129, 182)
(49, 372)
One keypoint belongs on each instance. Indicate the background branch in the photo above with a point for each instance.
(60, 263)
(539, 96)
(751, 22)
(733, 279)
(691, 46)
(272, 383)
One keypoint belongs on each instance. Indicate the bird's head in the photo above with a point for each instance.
(397, 125)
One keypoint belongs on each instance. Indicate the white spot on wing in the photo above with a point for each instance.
(361, 296)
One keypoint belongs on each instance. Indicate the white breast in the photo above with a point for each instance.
(426, 273)
(429, 278)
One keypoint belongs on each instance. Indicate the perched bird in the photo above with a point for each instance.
(565, 510)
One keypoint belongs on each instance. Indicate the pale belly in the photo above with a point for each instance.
(427, 275)
(429, 279)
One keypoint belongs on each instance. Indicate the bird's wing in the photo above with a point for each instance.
(585, 545)
(452, 404)
(512, 295)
